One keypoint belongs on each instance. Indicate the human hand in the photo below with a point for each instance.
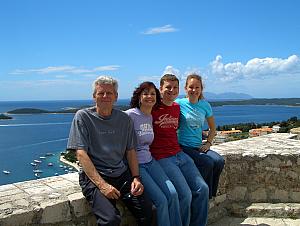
(109, 191)
(137, 187)
(204, 148)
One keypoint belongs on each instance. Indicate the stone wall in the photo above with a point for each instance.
(260, 169)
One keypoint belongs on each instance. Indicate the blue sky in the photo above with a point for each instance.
(54, 49)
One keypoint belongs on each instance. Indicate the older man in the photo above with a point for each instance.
(103, 138)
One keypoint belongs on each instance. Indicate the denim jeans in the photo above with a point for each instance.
(190, 186)
(210, 165)
(105, 209)
(162, 192)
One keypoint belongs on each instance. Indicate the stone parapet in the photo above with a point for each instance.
(263, 169)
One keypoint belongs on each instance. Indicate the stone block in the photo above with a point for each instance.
(259, 194)
(295, 196)
(10, 192)
(21, 202)
(61, 184)
(220, 198)
(55, 211)
(19, 217)
(79, 205)
(73, 177)
(269, 221)
(273, 169)
(238, 193)
(292, 175)
(280, 195)
(14, 197)
(38, 190)
(7, 187)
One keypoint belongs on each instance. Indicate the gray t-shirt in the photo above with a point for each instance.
(105, 139)
(144, 132)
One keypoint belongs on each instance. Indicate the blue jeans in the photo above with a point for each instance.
(162, 192)
(210, 165)
(190, 186)
(105, 209)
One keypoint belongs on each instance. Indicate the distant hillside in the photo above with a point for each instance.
(40, 111)
(125, 106)
(224, 96)
(274, 101)
(227, 96)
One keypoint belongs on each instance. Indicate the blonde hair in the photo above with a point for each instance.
(199, 78)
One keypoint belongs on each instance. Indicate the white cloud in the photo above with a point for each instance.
(257, 68)
(171, 70)
(151, 78)
(107, 68)
(157, 30)
(60, 76)
(39, 83)
(65, 69)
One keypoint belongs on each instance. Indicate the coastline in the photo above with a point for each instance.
(62, 159)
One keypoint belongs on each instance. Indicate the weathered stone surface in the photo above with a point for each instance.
(262, 169)
(55, 211)
(295, 196)
(79, 205)
(280, 195)
(18, 218)
(238, 193)
(259, 194)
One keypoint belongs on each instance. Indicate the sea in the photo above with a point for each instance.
(30, 139)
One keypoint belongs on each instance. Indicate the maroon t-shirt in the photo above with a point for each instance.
(165, 124)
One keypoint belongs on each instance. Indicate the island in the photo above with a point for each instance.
(65, 111)
(4, 116)
(261, 101)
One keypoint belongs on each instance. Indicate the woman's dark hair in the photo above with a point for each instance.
(135, 99)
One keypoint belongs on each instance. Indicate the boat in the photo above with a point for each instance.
(61, 166)
(49, 154)
(50, 164)
(42, 157)
(37, 161)
(56, 174)
(6, 172)
(37, 175)
(33, 164)
(37, 171)
(70, 168)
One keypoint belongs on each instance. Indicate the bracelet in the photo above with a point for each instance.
(209, 142)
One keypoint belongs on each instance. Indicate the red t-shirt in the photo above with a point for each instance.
(165, 124)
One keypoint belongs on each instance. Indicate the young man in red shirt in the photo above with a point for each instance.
(179, 167)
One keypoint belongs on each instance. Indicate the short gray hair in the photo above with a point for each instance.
(104, 79)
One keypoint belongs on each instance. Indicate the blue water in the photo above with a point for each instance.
(28, 137)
